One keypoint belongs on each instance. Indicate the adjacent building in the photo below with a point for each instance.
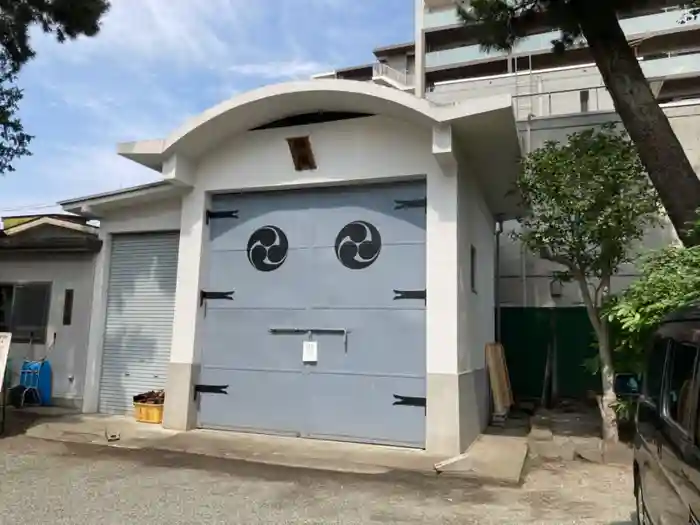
(46, 275)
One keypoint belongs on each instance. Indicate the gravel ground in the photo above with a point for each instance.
(64, 484)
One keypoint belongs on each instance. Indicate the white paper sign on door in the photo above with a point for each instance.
(5, 339)
(309, 352)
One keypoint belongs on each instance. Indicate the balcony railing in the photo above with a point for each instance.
(447, 16)
(561, 91)
(382, 73)
(438, 4)
(634, 28)
(562, 102)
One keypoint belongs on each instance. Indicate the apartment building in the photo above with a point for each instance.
(554, 95)
(446, 63)
(666, 41)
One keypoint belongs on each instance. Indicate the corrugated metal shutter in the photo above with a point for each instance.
(138, 327)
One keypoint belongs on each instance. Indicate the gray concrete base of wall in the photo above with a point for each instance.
(73, 403)
(457, 406)
(180, 411)
(458, 411)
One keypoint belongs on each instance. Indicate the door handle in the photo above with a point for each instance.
(309, 331)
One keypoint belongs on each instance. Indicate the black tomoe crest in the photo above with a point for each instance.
(357, 245)
(267, 248)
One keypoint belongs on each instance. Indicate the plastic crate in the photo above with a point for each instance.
(148, 413)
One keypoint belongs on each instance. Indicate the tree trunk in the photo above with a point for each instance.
(607, 374)
(659, 149)
(607, 370)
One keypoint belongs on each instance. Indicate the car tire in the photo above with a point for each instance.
(642, 518)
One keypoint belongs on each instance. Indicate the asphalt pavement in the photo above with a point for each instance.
(46, 482)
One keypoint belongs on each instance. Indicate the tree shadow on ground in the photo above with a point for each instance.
(17, 422)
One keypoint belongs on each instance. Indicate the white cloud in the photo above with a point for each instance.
(180, 31)
(69, 172)
(276, 70)
(97, 169)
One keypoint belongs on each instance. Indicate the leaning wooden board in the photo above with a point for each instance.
(500, 380)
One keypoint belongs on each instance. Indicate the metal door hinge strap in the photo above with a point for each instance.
(210, 389)
(408, 401)
(226, 296)
(227, 214)
(414, 203)
(410, 294)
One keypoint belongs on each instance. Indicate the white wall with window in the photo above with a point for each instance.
(45, 302)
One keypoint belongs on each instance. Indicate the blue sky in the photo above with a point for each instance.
(153, 66)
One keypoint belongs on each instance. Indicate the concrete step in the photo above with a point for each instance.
(493, 459)
(490, 459)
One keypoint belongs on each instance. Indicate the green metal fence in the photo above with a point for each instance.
(527, 333)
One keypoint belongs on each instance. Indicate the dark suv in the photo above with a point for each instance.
(667, 440)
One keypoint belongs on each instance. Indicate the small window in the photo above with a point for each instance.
(7, 292)
(653, 379)
(680, 383)
(68, 308)
(584, 97)
(302, 154)
(30, 309)
(472, 268)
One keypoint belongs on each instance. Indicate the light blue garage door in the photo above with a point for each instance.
(325, 333)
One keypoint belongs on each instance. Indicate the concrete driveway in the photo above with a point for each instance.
(66, 483)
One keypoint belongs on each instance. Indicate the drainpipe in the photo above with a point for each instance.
(497, 283)
(419, 50)
(523, 252)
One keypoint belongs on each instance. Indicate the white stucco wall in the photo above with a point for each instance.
(158, 215)
(68, 356)
(476, 228)
(381, 149)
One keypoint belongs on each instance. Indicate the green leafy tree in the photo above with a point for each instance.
(66, 19)
(589, 203)
(670, 279)
(503, 22)
(14, 141)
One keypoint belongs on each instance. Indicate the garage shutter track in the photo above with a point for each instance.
(138, 326)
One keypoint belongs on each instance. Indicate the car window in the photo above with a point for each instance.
(680, 383)
(653, 379)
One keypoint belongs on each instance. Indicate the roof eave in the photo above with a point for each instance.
(148, 153)
(96, 206)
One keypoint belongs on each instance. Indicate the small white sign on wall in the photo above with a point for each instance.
(309, 353)
(5, 340)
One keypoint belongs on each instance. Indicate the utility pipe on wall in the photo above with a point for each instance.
(497, 283)
(523, 251)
